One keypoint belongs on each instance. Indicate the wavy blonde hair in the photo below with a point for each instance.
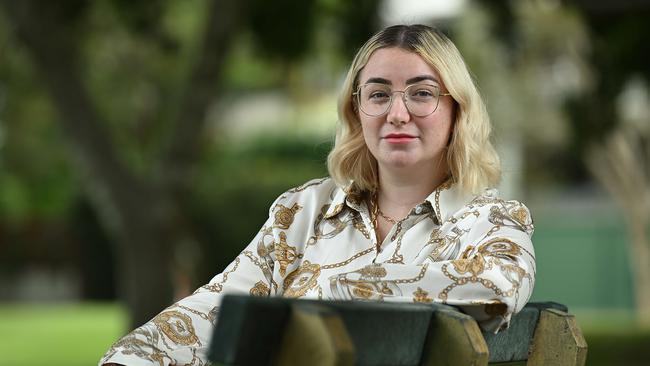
(473, 163)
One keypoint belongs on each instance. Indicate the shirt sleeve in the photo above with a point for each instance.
(490, 278)
(180, 334)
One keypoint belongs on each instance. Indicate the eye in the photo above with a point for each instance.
(379, 94)
(375, 94)
(422, 93)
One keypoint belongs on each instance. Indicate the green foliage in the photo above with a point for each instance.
(358, 21)
(236, 186)
(35, 173)
(282, 28)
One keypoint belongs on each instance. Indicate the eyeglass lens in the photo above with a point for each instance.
(421, 99)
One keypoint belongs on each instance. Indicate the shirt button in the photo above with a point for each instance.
(418, 210)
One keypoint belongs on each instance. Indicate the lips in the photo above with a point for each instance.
(399, 138)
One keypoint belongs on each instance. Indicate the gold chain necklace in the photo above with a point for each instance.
(388, 218)
(376, 211)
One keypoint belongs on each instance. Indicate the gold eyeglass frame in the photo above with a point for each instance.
(357, 96)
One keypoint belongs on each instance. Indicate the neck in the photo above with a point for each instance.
(401, 189)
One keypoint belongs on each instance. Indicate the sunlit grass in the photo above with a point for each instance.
(58, 334)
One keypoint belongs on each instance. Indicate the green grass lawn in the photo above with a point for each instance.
(58, 334)
(79, 334)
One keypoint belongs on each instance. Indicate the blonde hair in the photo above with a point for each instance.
(472, 161)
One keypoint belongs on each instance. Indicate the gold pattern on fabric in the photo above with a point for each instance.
(284, 215)
(265, 244)
(503, 253)
(397, 258)
(193, 311)
(362, 290)
(500, 247)
(398, 229)
(421, 296)
(337, 209)
(481, 201)
(218, 287)
(417, 278)
(444, 186)
(520, 215)
(365, 288)
(260, 289)
(358, 224)
(263, 266)
(512, 214)
(474, 265)
(285, 253)
(177, 327)
(141, 343)
(375, 271)
(307, 185)
(446, 247)
(367, 283)
(320, 223)
(349, 260)
(301, 280)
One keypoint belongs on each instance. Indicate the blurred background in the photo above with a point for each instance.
(142, 142)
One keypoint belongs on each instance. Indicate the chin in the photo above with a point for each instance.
(400, 161)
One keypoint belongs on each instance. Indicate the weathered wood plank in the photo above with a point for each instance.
(558, 340)
(316, 336)
(454, 339)
(289, 331)
(513, 344)
(382, 333)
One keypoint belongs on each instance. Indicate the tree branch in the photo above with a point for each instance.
(200, 90)
(50, 39)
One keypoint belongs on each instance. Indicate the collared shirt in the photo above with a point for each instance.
(471, 251)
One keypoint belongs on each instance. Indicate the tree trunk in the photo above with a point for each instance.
(142, 217)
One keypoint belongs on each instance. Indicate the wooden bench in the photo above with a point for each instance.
(279, 331)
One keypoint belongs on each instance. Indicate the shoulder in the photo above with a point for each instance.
(309, 195)
(499, 211)
(296, 210)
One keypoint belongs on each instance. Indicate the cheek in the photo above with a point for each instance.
(369, 128)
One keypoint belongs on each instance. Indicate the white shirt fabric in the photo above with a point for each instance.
(471, 251)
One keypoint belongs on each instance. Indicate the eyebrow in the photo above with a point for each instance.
(379, 81)
(412, 80)
(417, 79)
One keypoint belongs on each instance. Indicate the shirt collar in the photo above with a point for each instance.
(337, 204)
(444, 200)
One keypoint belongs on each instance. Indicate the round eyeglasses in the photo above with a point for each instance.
(421, 100)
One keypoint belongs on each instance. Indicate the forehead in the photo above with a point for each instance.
(396, 65)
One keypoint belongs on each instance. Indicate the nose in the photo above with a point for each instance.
(398, 114)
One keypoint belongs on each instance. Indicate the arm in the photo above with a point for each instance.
(490, 278)
(181, 333)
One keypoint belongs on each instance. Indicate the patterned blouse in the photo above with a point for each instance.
(474, 252)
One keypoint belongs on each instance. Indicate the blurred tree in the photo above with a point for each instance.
(141, 214)
(529, 56)
(569, 62)
(619, 51)
(578, 54)
(622, 166)
(134, 125)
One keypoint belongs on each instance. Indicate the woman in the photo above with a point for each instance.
(405, 216)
